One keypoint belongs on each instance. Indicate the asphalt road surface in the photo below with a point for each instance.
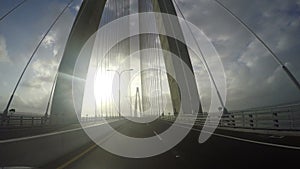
(225, 149)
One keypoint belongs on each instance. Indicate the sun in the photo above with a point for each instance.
(103, 82)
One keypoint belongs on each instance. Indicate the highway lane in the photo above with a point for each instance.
(12, 132)
(217, 152)
(37, 150)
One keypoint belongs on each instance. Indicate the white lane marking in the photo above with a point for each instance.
(246, 140)
(86, 151)
(157, 135)
(277, 137)
(49, 134)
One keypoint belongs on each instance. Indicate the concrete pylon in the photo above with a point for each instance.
(137, 104)
(85, 25)
(179, 49)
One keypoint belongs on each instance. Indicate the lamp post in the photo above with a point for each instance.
(119, 76)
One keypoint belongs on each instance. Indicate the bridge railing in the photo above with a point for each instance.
(277, 118)
(96, 119)
(17, 121)
(30, 121)
(269, 118)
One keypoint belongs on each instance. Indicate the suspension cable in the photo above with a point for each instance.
(51, 96)
(31, 57)
(275, 57)
(52, 90)
(202, 55)
(11, 10)
(180, 55)
(160, 77)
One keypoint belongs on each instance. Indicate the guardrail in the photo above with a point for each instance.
(95, 119)
(278, 118)
(30, 121)
(24, 121)
(285, 117)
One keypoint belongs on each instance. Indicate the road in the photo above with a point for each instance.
(225, 149)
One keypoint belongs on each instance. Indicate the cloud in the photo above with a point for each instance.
(3, 51)
(39, 79)
(45, 69)
(77, 7)
(31, 105)
(49, 40)
(253, 77)
(33, 93)
(52, 42)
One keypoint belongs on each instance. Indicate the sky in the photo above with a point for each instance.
(20, 33)
(253, 78)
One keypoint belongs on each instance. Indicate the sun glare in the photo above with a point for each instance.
(103, 85)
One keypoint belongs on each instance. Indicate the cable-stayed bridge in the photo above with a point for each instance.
(126, 94)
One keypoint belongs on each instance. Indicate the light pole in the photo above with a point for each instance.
(119, 76)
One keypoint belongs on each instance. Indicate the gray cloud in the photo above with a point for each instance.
(253, 77)
(3, 51)
(33, 93)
